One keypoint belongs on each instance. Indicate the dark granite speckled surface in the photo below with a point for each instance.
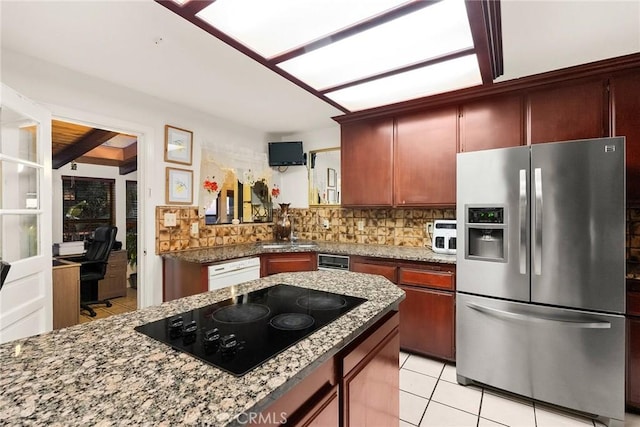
(227, 252)
(104, 373)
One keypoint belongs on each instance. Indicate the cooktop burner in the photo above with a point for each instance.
(292, 321)
(321, 302)
(242, 313)
(243, 332)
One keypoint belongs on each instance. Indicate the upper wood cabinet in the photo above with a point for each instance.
(564, 112)
(367, 163)
(492, 123)
(625, 108)
(425, 158)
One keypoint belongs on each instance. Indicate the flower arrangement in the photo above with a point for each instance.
(275, 191)
(210, 185)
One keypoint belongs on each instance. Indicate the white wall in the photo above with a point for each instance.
(294, 182)
(92, 171)
(73, 96)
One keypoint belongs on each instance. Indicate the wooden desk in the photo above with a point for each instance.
(114, 283)
(66, 294)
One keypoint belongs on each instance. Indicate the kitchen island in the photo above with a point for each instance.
(106, 373)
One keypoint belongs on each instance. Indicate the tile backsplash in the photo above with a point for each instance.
(399, 227)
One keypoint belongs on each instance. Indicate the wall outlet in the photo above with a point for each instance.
(325, 224)
(194, 228)
(429, 227)
(169, 220)
(360, 225)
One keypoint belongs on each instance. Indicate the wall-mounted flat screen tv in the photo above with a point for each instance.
(287, 153)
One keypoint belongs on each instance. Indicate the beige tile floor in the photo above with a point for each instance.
(118, 306)
(430, 396)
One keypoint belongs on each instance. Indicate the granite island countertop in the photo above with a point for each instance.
(105, 373)
(223, 253)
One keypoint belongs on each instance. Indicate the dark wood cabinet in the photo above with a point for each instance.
(371, 380)
(632, 389)
(633, 362)
(427, 314)
(359, 386)
(568, 111)
(625, 108)
(425, 158)
(364, 265)
(287, 262)
(182, 278)
(492, 123)
(427, 322)
(367, 163)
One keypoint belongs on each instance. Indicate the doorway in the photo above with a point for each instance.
(90, 149)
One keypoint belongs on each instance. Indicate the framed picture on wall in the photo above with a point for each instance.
(178, 145)
(179, 186)
(331, 177)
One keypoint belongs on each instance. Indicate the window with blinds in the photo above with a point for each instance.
(132, 206)
(87, 203)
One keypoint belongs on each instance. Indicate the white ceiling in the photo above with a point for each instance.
(144, 46)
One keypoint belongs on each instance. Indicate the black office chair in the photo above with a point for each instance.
(4, 270)
(93, 266)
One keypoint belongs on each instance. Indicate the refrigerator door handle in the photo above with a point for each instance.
(522, 205)
(585, 323)
(537, 233)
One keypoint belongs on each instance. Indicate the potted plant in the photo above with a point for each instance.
(132, 256)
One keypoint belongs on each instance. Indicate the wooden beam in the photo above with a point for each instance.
(130, 151)
(486, 31)
(130, 166)
(90, 141)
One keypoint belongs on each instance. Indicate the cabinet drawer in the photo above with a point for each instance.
(429, 279)
(633, 303)
(388, 271)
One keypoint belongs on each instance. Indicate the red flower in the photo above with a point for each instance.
(275, 191)
(210, 185)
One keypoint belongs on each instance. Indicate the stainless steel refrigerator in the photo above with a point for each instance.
(541, 273)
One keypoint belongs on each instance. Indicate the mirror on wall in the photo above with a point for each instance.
(324, 176)
(237, 201)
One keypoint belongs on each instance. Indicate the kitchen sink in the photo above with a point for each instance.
(284, 245)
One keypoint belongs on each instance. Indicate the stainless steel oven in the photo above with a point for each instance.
(333, 262)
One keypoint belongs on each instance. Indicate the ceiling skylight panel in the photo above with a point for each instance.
(273, 27)
(439, 78)
(427, 33)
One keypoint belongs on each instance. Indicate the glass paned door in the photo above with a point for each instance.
(25, 216)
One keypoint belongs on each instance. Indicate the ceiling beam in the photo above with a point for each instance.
(129, 166)
(486, 31)
(91, 140)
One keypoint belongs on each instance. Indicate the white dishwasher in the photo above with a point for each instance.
(233, 272)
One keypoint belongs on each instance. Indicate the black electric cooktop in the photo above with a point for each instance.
(243, 332)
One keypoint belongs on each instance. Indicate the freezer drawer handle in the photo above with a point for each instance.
(523, 221)
(586, 324)
(537, 244)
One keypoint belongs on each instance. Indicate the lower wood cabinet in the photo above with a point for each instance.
(287, 262)
(632, 388)
(66, 295)
(427, 322)
(633, 363)
(358, 387)
(427, 315)
(371, 380)
(114, 283)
